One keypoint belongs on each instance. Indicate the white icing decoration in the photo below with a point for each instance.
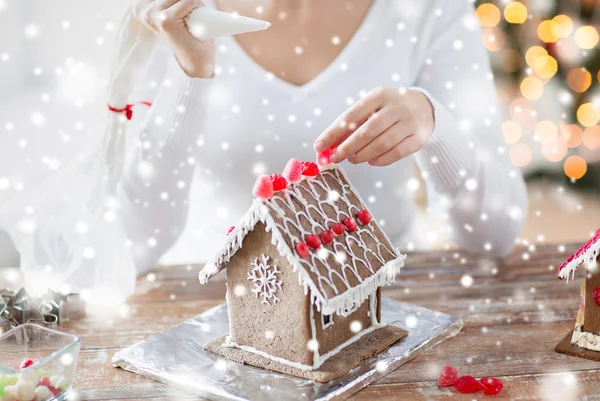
(589, 257)
(264, 277)
(345, 298)
(586, 340)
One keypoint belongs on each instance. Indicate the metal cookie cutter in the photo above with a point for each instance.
(49, 310)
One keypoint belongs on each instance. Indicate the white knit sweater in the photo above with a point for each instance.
(206, 140)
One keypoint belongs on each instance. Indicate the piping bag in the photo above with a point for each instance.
(74, 241)
(135, 44)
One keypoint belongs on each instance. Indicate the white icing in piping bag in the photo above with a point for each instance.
(207, 23)
(135, 44)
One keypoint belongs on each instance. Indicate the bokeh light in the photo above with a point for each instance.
(512, 132)
(586, 37)
(575, 167)
(555, 151)
(588, 114)
(536, 57)
(545, 32)
(532, 88)
(549, 70)
(515, 13)
(488, 15)
(572, 134)
(591, 137)
(546, 131)
(494, 39)
(561, 26)
(579, 79)
(520, 154)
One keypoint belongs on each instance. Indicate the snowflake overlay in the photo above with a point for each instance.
(264, 277)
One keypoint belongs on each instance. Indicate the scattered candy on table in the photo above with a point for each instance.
(468, 384)
(31, 385)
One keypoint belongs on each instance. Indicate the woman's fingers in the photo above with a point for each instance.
(347, 122)
(182, 8)
(405, 148)
(382, 144)
(376, 125)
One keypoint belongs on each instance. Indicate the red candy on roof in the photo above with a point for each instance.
(310, 169)
(581, 251)
(293, 170)
(263, 187)
(279, 183)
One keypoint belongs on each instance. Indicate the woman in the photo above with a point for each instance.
(387, 82)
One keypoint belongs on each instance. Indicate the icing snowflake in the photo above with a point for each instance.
(264, 277)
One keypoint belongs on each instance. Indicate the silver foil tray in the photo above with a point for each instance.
(176, 357)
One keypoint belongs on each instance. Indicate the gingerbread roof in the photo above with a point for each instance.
(340, 273)
(587, 254)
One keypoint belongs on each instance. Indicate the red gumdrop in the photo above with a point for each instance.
(54, 390)
(327, 236)
(293, 170)
(44, 381)
(466, 384)
(313, 241)
(350, 224)
(324, 158)
(230, 229)
(279, 182)
(490, 385)
(338, 228)
(596, 295)
(263, 187)
(310, 169)
(448, 376)
(26, 363)
(364, 217)
(302, 249)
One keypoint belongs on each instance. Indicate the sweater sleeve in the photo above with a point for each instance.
(154, 189)
(471, 181)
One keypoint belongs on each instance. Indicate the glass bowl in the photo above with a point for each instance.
(49, 358)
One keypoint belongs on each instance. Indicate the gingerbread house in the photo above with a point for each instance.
(304, 270)
(586, 334)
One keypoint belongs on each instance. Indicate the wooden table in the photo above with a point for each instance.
(515, 312)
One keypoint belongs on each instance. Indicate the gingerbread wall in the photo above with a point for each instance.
(591, 318)
(278, 328)
(340, 331)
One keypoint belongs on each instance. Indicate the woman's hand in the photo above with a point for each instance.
(167, 19)
(385, 126)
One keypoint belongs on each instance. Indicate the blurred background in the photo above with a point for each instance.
(54, 58)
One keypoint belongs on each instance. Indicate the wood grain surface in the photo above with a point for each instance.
(515, 312)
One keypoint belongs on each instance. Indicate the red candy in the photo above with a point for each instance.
(310, 169)
(302, 249)
(350, 224)
(327, 236)
(230, 229)
(25, 364)
(448, 376)
(293, 170)
(54, 390)
(490, 385)
(279, 182)
(466, 384)
(44, 381)
(338, 228)
(263, 187)
(324, 158)
(313, 241)
(596, 295)
(364, 217)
